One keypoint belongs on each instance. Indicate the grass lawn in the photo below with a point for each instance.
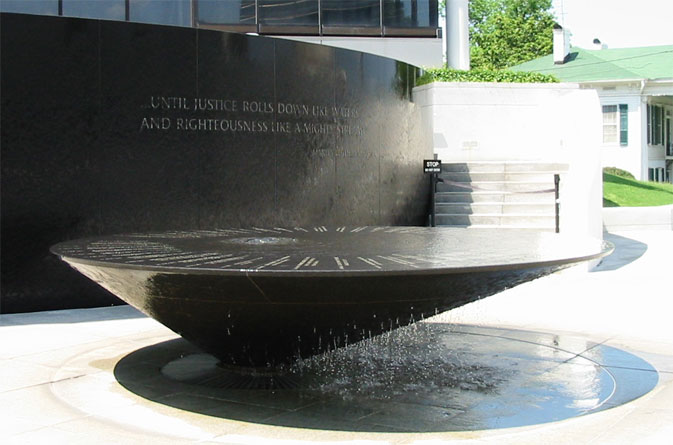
(622, 192)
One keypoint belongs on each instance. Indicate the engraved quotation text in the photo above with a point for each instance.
(197, 114)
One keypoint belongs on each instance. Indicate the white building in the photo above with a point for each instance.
(635, 89)
(405, 30)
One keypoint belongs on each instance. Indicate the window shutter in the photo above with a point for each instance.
(655, 119)
(649, 123)
(623, 124)
(662, 118)
(657, 125)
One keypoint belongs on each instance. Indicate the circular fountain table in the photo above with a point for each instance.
(262, 297)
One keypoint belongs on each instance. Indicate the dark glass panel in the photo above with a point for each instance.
(99, 9)
(230, 12)
(351, 12)
(41, 7)
(410, 13)
(288, 12)
(164, 12)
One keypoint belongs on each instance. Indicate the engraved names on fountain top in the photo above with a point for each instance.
(330, 250)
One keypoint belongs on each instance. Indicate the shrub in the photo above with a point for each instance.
(481, 75)
(618, 172)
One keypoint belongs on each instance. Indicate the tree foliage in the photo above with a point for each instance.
(504, 33)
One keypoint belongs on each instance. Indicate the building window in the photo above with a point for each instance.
(288, 12)
(410, 13)
(616, 124)
(101, 9)
(390, 18)
(234, 12)
(657, 174)
(162, 12)
(346, 13)
(610, 124)
(39, 7)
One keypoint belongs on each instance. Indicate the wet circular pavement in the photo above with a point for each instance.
(62, 365)
(430, 377)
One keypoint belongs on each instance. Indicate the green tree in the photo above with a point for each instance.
(504, 33)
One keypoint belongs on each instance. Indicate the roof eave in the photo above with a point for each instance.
(660, 80)
(604, 81)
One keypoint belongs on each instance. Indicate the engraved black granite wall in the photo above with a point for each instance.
(111, 127)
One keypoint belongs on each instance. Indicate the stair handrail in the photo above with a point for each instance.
(433, 216)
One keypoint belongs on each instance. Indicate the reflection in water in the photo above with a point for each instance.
(415, 362)
(425, 377)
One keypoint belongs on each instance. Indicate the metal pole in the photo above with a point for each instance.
(557, 180)
(257, 15)
(381, 17)
(433, 188)
(457, 34)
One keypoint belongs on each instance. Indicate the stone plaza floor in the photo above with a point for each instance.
(542, 354)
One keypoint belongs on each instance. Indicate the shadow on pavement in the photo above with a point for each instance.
(627, 250)
(107, 313)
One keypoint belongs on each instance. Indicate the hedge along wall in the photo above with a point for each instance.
(500, 76)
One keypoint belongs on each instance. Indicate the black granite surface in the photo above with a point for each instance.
(100, 135)
(263, 297)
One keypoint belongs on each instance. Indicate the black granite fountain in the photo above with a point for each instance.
(263, 298)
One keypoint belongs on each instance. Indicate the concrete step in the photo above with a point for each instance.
(470, 197)
(503, 186)
(503, 208)
(500, 226)
(514, 220)
(497, 194)
(531, 176)
(501, 167)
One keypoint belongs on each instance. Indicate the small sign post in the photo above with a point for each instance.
(432, 166)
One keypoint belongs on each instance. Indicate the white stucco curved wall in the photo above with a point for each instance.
(524, 122)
